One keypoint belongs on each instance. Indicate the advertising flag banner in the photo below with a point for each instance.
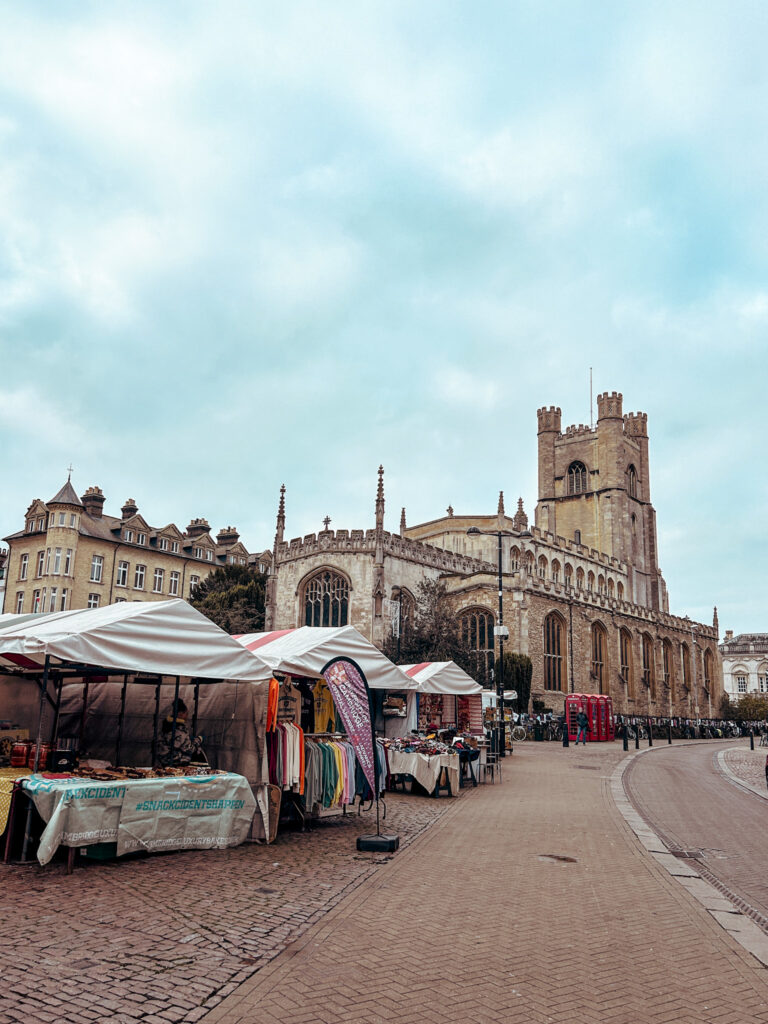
(350, 695)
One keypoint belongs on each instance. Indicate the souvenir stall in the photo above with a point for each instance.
(148, 648)
(447, 702)
(314, 758)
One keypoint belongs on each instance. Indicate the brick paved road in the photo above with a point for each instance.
(530, 902)
(681, 793)
(161, 939)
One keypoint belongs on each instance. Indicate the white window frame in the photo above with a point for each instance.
(194, 581)
(23, 566)
(741, 683)
(57, 562)
(31, 525)
(158, 581)
(94, 600)
(62, 518)
(41, 523)
(40, 564)
(198, 552)
(68, 562)
(35, 601)
(173, 584)
(162, 543)
(174, 547)
(97, 568)
(47, 561)
(141, 538)
(121, 578)
(139, 577)
(52, 601)
(20, 602)
(64, 595)
(73, 520)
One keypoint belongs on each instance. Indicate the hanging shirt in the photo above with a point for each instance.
(289, 703)
(324, 709)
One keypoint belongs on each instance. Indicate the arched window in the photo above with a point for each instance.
(476, 631)
(577, 478)
(740, 678)
(599, 647)
(554, 652)
(579, 578)
(610, 587)
(568, 574)
(555, 571)
(632, 481)
(668, 668)
(326, 599)
(709, 663)
(590, 581)
(762, 678)
(649, 673)
(529, 562)
(406, 611)
(514, 559)
(620, 590)
(542, 567)
(686, 666)
(601, 584)
(625, 661)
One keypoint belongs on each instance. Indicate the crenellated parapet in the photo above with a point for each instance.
(436, 558)
(579, 431)
(549, 419)
(636, 424)
(609, 406)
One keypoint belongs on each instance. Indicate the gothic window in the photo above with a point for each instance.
(514, 559)
(625, 660)
(708, 668)
(542, 567)
(599, 647)
(590, 581)
(326, 599)
(649, 675)
(668, 668)
(554, 652)
(577, 478)
(620, 590)
(555, 571)
(686, 667)
(568, 575)
(476, 631)
(407, 610)
(601, 584)
(610, 587)
(579, 579)
(632, 482)
(529, 562)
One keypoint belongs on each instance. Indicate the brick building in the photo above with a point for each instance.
(71, 555)
(583, 594)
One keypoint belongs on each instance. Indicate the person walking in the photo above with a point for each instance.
(582, 726)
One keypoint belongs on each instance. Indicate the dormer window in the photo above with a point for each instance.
(41, 523)
(128, 536)
(162, 543)
(209, 555)
(141, 538)
(30, 525)
(174, 547)
(198, 552)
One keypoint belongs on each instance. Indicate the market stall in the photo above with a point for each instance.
(149, 648)
(314, 755)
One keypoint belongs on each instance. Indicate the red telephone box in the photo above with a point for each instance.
(602, 719)
(574, 703)
(593, 714)
(598, 709)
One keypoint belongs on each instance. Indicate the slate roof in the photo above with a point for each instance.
(67, 496)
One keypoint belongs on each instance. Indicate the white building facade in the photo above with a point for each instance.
(745, 663)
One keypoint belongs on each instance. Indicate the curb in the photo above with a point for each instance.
(734, 779)
(740, 927)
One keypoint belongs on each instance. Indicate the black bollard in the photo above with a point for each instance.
(751, 740)
(637, 735)
(766, 771)
(669, 731)
(566, 742)
(650, 733)
(624, 738)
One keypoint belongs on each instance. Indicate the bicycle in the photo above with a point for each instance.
(519, 733)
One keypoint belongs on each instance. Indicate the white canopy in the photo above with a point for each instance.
(169, 638)
(441, 677)
(307, 650)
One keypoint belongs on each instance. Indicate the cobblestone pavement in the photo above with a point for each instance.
(162, 939)
(694, 808)
(531, 902)
(747, 764)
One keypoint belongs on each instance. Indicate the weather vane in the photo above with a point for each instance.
(327, 522)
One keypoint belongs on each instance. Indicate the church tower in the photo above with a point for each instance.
(594, 488)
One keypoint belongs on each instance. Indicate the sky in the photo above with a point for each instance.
(248, 244)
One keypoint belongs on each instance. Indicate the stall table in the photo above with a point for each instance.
(178, 812)
(426, 769)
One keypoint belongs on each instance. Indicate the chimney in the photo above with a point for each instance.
(728, 635)
(129, 509)
(93, 502)
(198, 527)
(227, 537)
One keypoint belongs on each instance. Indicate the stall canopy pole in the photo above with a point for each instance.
(154, 723)
(197, 702)
(55, 728)
(173, 725)
(82, 716)
(120, 720)
(43, 695)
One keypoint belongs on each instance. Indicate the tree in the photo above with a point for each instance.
(233, 597)
(518, 672)
(727, 709)
(751, 708)
(434, 634)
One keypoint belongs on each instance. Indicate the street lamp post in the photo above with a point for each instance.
(501, 631)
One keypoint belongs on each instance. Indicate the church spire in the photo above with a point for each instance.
(280, 517)
(380, 501)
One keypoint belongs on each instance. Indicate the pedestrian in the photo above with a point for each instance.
(582, 726)
(186, 748)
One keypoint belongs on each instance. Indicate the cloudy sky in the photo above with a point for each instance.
(251, 243)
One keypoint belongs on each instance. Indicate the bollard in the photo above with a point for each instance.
(650, 733)
(766, 770)
(565, 732)
(624, 738)
(751, 740)
(669, 731)
(637, 735)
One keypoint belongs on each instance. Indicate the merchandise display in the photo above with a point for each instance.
(433, 764)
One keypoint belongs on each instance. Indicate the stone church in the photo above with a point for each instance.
(582, 592)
